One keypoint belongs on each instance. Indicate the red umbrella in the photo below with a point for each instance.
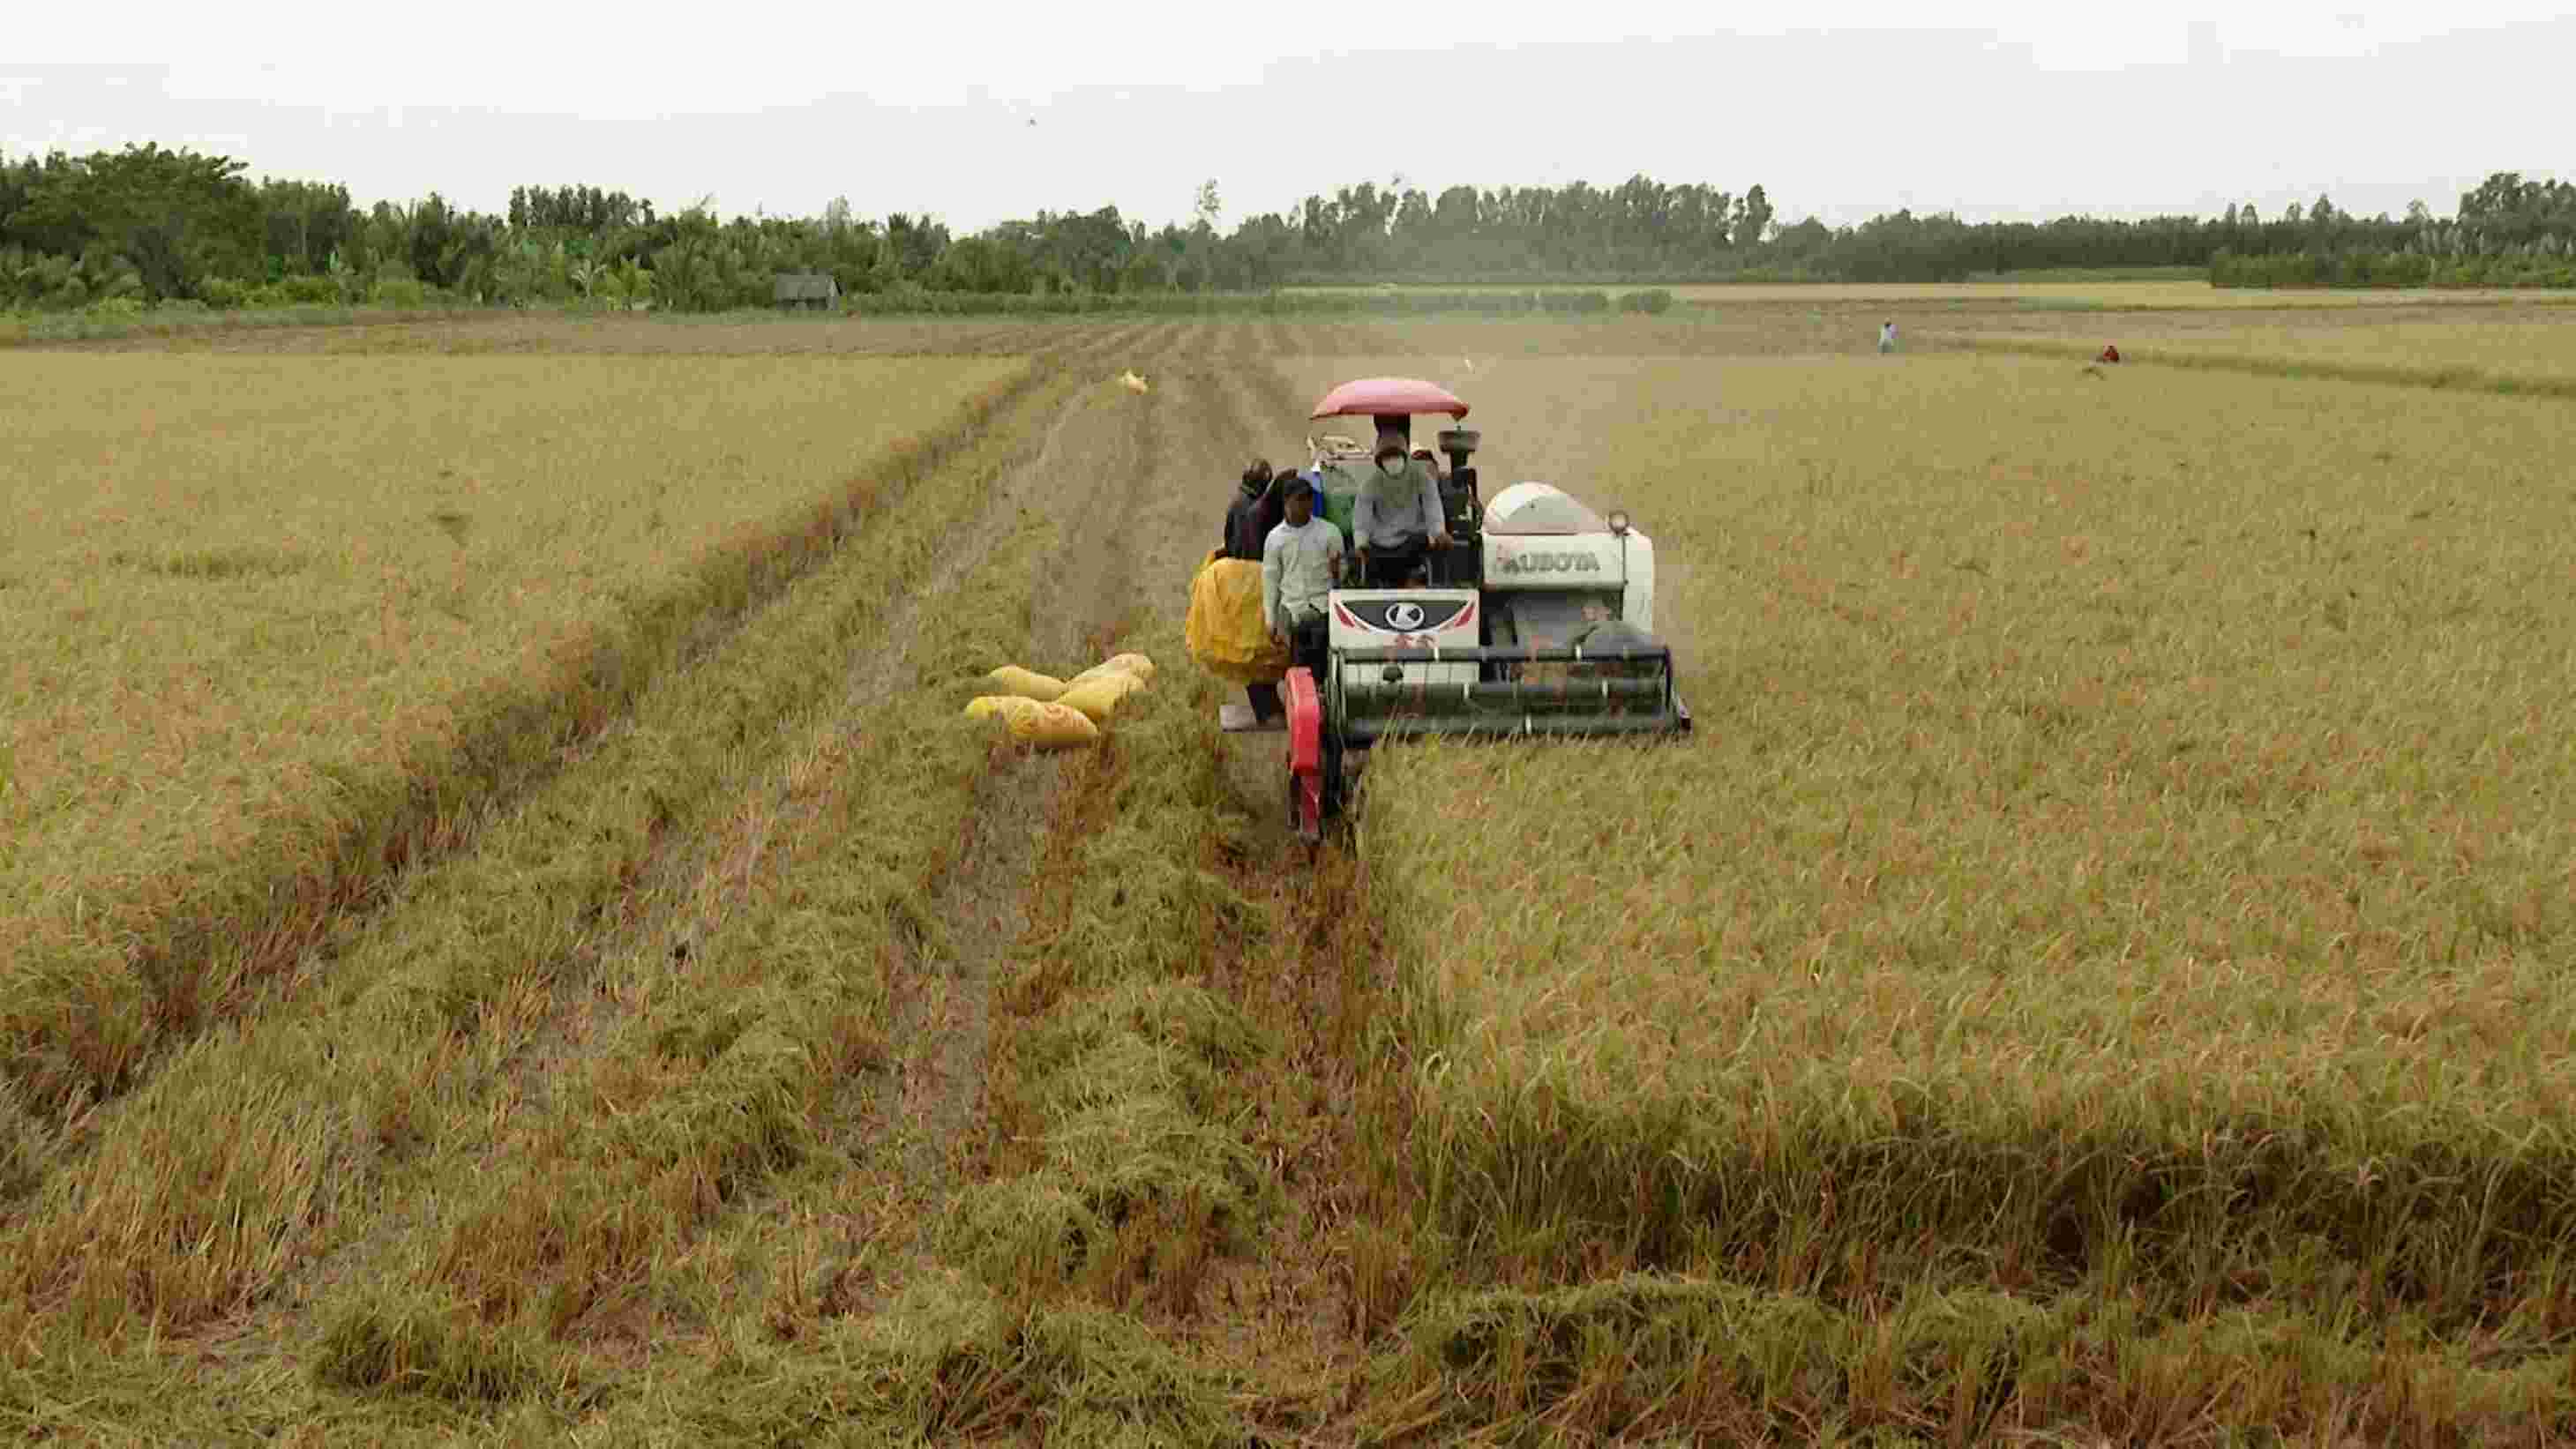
(1386, 397)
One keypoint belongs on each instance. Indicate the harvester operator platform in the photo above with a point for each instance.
(1396, 513)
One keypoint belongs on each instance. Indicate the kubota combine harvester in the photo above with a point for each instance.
(1537, 621)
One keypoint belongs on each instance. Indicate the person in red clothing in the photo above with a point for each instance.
(2110, 353)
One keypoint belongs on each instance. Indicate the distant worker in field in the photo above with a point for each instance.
(1301, 561)
(1396, 514)
(1887, 337)
(1254, 512)
(2110, 353)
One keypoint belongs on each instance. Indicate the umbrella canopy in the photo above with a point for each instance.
(1388, 396)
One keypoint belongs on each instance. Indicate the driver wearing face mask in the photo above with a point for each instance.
(1396, 513)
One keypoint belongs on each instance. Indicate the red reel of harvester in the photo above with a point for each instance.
(1305, 753)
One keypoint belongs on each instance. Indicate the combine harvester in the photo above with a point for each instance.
(1539, 620)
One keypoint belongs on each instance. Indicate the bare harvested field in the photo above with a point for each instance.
(2093, 975)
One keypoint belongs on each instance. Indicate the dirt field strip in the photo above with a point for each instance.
(1221, 1237)
(1295, 1308)
(1074, 598)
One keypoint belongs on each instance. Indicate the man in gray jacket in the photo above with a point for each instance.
(1301, 563)
(1396, 513)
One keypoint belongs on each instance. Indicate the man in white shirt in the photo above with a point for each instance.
(1395, 515)
(1301, 561)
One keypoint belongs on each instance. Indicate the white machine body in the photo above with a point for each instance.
(1551, 567)
(1539, 539)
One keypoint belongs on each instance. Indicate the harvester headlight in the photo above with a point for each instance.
(1619, 521)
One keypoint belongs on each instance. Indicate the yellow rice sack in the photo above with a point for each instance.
(1126, 666)
(1135, 664)
(1054, 727)
(1098, 697)
(1008, 706)
(1026, 683)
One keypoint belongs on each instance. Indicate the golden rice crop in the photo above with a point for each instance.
(2176, 295)
(232, 586)
(2130, 814)
(2188, 294)
(633, 334)
(2536, 348)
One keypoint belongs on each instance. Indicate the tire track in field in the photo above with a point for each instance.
(910, 1144)
(1295, 1312)
(943, 1005)
(1148, 485)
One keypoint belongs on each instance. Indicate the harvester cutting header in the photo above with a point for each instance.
(1529, 616)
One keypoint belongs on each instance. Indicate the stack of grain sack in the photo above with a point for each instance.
(1055, 714)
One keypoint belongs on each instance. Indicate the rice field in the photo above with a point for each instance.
(2107, 296)
(2179, 293)
(2094, 974)
(2130, 830)
(236, 593)
(2500, 352)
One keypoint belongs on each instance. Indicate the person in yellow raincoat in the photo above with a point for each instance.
(1228, 629)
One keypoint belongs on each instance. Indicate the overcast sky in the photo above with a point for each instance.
(1841, 110)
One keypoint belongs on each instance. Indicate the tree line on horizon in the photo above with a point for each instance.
(146, 225)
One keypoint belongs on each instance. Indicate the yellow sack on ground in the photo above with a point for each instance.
(1097, 697)
(1124, 666)
(1054, 727)
(1225, 630)
(1026, 683)
(1008, 706)
(1135, 664)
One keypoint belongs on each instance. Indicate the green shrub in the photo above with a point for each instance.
(400, 292)
(308, 291)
